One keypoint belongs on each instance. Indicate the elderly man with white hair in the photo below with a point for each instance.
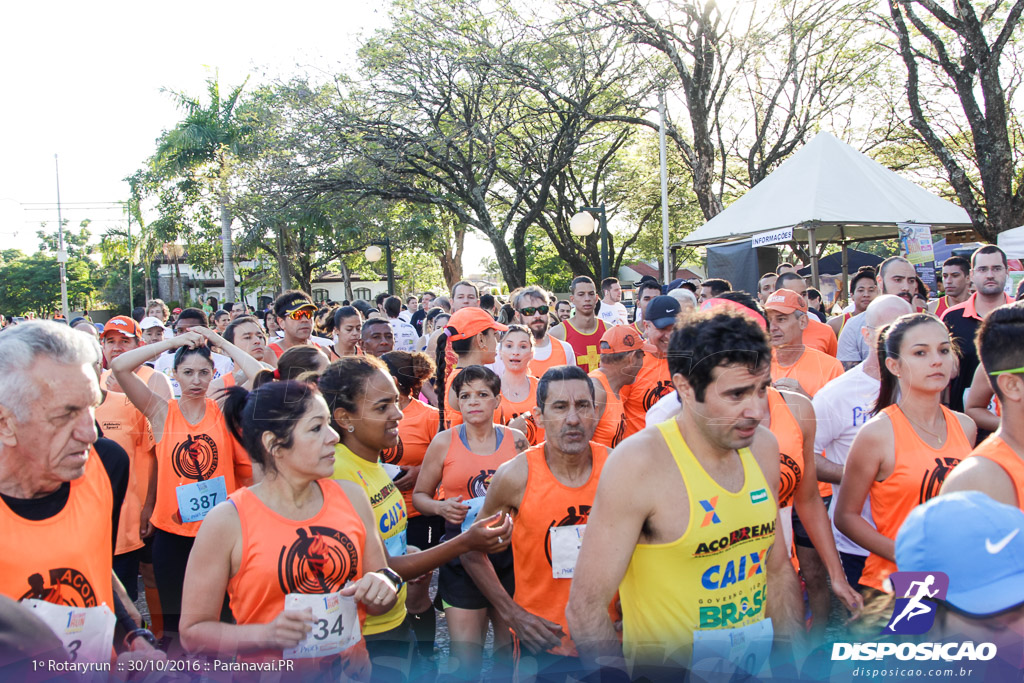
(61, 489)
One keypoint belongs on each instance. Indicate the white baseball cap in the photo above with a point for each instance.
(151, 322)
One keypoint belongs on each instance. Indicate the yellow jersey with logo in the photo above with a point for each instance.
(392, 520)
(713, 576)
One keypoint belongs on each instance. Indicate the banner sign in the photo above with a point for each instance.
(916, 246)
(765, 239)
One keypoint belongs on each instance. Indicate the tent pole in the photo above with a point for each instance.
(846, 265)
(812, 246)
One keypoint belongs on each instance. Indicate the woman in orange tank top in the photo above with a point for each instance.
(470, 334)
(348, 325)
(901, 456)
(295, 534)
(518, 386)
(463, 460)
(197, 464)
(791, 420)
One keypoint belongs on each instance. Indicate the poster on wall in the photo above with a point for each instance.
(916, 246)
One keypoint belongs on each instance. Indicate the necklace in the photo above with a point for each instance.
(938, 437)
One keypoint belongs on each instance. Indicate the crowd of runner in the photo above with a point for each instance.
(604, 490)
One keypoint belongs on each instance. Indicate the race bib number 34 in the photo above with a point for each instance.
(197, 499)
(87, 633)
(335, 624)
(565, 548)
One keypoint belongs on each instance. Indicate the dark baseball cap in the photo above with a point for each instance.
(662, 311)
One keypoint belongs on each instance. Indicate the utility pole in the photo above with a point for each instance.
(62, 255)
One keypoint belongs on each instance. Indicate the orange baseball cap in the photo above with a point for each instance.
(621, 338)
(123, 324)
(469, 322)
(785, 301)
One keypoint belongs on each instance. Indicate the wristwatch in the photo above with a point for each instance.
(392, 576)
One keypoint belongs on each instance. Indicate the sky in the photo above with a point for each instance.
(83, 81)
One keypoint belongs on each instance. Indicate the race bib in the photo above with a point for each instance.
(87, 633)
(396, 545)
(475, 504)
(335, 625)
(565, 548)
(197, 499)
(745, 648)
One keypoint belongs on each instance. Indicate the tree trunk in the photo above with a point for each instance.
(177, 281)
(226, 247)
(347, 279)
(513, 278)
(284, 268)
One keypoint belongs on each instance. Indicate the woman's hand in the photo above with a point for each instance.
(453, 510)
(374, 591)
(288, 629)
(485, 538)
(209, 335)
(191, 339)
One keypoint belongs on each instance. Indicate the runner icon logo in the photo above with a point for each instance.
(916, 593)
(195, 457)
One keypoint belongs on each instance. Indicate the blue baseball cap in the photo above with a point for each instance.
(976, 541)
(662, 311)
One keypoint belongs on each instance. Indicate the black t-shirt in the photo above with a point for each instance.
(962, 329)
(417, 320)
(115, 462)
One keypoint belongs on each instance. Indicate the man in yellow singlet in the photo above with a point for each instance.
(683, 524)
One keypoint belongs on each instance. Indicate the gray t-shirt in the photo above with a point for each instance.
(852, 347)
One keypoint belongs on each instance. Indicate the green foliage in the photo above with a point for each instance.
(32, 283)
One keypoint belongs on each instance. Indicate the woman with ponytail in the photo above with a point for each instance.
(294, 534)
(298, 362)
(364, 406)
(470, 337)
(902, 455)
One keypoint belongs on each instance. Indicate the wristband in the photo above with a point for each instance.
(393, 577)
(143, 633)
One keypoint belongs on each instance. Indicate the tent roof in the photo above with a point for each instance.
(831, 185)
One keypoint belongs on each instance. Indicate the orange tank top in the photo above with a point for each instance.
(651, 383)
(612, 427)
(509, 410)
(70, 560)
(555, 358)
(916, 478)
(416, 430)
(276, 348)
(548, 503)
(452, 416)
(281, 556)
(468, 474)
(791, 446)
(122, 423)
(586, 346)
(999, 452)
(187, 454)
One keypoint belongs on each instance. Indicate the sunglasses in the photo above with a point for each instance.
(301, 314)
(533, 310)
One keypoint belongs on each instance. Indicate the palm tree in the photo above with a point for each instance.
(206, 141)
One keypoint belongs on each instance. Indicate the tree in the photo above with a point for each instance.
(972, 59)
(206, 144)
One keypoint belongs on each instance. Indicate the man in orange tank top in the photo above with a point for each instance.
(653, 381)
(996, 466)
(549, 489)
(955, 284)
(817, 335)
(52, 463)
(622, 357)
(583, 331)
(796, 366)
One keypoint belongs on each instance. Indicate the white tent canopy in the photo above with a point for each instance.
(839, 193)
(1012, 242)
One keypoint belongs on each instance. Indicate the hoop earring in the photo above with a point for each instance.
(351, 429)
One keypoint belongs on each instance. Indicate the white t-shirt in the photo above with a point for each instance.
(222, 365)
(613, 314)
(666, 408)
(406, 335)
(405, 315)
(841, 408)
(541, 354)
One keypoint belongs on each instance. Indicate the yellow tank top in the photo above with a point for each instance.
(713, 576)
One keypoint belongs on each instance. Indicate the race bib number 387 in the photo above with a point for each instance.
(87, 633)
(335, 624)
(197, 499)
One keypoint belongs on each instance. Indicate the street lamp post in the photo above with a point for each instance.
(582, 224)
(373, 255)
(62, 254)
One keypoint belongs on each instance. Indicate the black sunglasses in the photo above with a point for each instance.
(533, 310)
